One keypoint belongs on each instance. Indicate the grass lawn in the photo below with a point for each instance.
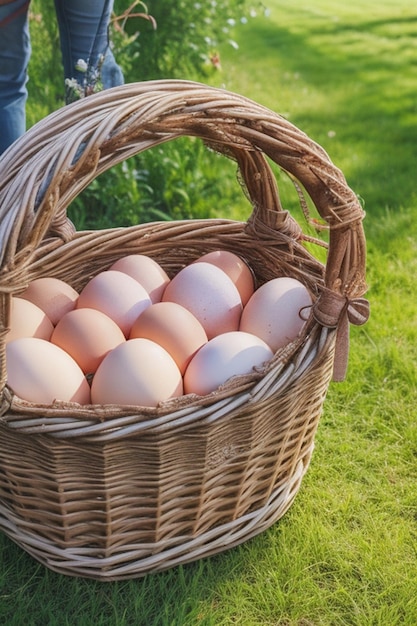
(346, 552)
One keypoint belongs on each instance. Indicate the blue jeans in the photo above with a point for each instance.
(83, 31)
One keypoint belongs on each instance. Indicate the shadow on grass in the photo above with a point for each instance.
(182, 595)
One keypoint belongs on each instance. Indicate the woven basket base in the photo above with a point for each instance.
(140, 560)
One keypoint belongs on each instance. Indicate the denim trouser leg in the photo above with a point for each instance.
(14, 59)
(83, 27)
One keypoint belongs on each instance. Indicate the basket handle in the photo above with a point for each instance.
(57, 158)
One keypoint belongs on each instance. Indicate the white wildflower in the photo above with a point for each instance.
(71, 83)
(81, 65)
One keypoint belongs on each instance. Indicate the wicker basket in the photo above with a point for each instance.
(113, 492)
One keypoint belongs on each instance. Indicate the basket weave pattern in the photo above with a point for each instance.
(114, 492)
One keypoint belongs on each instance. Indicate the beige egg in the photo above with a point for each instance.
(138, 372)
(87, 335)
(235, 268)
(146, 271)
(116, 294)
(41, 372)
(28, 320)
(227, 355)
(174, 328)
(277, 311)
(209, 294)
(54, 296)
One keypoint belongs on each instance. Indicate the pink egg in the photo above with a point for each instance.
(277, 311)
(117, 295)
(28, 320)
(54, 296)
(146, 271)
(174, 328)
(138, 372)
(87, 335)
(41, 372)
(227, 355)
(235, 268)
(209, 294)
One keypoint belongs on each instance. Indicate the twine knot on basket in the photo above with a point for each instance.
(280, 224)
(335, 310)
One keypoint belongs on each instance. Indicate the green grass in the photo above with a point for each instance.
(346, 552)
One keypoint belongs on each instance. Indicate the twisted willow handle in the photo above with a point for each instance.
(49, 166)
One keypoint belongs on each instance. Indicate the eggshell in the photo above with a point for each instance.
(209, 294)
(277, 311)
(54, 296)
(174, 328)
(146, 271)
(235, 268)
(87, 335)
(41, 372)
(117, 295)
(137, 372)
(28, 320)
(223, 357)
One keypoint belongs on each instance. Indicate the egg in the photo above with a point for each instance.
(28, 320)
(117, 295)
(138, 372)
(223, 357)
(235, 268)
(87, 335)
(41, 372)
(146, 271)
(209, 294)
(277, 311)
(174, 328)
(54, 296)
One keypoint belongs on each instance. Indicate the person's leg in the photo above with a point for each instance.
(83, 27)
(14, 59)
(111, 73)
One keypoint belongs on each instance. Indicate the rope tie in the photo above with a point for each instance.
(345, 215)
(334, 310)
(275, 222)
